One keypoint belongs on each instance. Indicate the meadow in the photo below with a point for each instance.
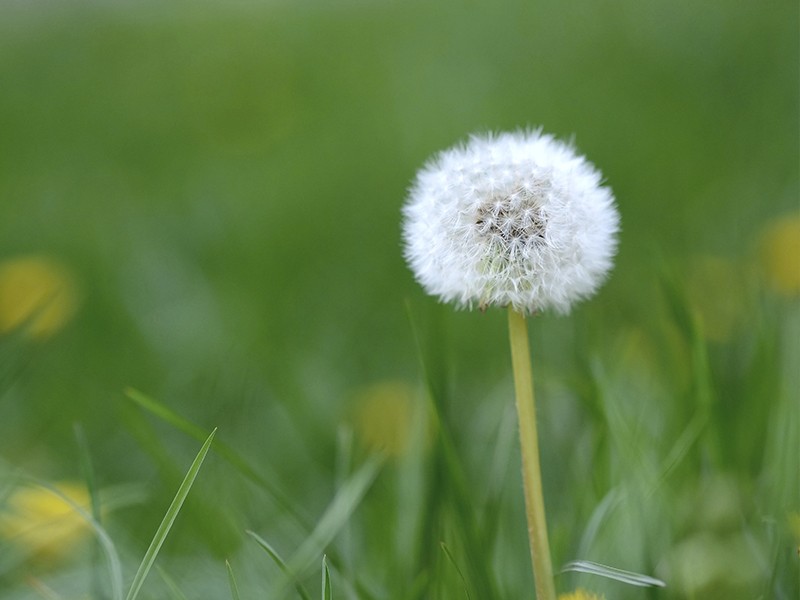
(200, 217)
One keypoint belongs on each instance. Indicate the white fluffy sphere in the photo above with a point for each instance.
(516, 218)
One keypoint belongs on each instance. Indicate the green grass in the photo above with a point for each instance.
(225, 181)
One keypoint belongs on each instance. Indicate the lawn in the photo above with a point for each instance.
(200, 229)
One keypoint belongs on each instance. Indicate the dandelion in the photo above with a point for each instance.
(517, 220)
(37, 294)
(43, 523)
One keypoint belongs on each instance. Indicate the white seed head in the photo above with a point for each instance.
(515, 218)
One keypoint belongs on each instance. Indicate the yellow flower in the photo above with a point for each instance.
(580, 594)
(780, 255)
(794, 528)
(42, 523)
(36, 293)
(384, 416)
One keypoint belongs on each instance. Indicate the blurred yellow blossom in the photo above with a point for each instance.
(780, 254)
(44, 524)
(794, 528)
(384, 416)
(794, 524)
(36, 292)
(580, 594)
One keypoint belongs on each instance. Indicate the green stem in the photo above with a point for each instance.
(529, 446)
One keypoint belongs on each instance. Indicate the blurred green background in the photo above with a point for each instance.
(215, 189)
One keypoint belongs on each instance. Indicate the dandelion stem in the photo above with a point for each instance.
(529, 446)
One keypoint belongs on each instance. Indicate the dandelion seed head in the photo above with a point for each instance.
(516, 218)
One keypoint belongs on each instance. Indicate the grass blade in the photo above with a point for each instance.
(222, 449)
(336, 515)
(42, 589)
(87, 469)
(174, 591)
(232, 581)
(593, 568)
(447, 474)
(326, 580)
(112, 559)
(273, 554)
(169, 519)
(452, 560)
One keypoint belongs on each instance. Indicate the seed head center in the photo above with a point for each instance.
(512, 220)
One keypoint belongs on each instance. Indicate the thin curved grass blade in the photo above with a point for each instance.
(273, 554)
(174, 591)
(169, 519)
(225, 451)
(87, 469)
(452, 560)
(232, 581)
(347, 498)
(629, 577)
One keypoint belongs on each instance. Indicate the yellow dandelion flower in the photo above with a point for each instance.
(794, 527)
(780, 255)
(580, 594)
(384, 416)
(36, 293)
(43, 524)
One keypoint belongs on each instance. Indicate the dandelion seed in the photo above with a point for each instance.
(514, 219)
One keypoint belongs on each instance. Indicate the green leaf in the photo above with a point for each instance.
(169, 519)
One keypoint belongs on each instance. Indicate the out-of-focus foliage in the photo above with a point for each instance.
(201, 201)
